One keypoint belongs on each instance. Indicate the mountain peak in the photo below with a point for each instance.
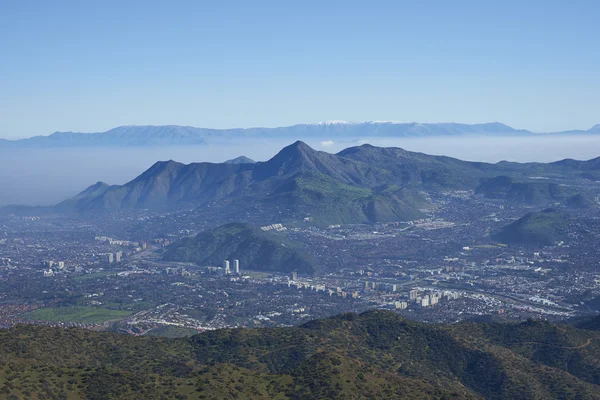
(240, 160)
(298, 157)
(160, 167)
(295, 149)
(96, 189)
(594, 129)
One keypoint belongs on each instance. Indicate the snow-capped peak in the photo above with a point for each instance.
(335, 122)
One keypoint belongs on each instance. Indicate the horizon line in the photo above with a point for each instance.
(319, 123)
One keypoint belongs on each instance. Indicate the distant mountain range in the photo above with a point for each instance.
(174, 135)
(362, 184)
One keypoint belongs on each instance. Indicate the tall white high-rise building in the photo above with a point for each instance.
(236, 266)
(118, 256)
(226, 267)
(110, 258)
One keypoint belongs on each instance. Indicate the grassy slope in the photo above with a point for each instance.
(373, 355)
(327, 201)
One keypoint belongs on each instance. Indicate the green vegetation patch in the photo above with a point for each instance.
(171, 331)
(76, 314)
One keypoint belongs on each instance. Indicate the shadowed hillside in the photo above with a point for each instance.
(537, 229)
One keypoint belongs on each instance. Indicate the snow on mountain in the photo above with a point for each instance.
(175, 135)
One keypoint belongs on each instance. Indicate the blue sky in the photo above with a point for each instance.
(89, 66)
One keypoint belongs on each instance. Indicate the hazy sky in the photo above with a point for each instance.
(92, 65)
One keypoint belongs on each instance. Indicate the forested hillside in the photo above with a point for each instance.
(373, 355)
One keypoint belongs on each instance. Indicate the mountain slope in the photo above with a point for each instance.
(297, 177)
(256, 250)
(96, 189)
(535, 193)
(374, 355)
(535, 229)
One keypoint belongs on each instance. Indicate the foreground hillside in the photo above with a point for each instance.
(373, 355)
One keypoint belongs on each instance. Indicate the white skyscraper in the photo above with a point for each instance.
(236, 266)
(226, 267)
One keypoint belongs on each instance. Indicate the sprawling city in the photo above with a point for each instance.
(109, 272)
(309, 200)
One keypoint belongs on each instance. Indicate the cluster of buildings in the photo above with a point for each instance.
(273, 227)
(52, 266)
(331, 291)
(137, 246)
(228, 270)
(114, 257)
(427, 300)
(382, 287)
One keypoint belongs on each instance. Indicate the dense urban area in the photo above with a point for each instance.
(108, 273)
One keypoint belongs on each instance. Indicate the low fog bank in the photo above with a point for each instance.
(47, 176)
(491, 149)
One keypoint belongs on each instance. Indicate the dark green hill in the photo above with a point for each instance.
(375, 355)
(579, 201)
(256, 250)
(535, 193)
(590, 323)
(535, 229)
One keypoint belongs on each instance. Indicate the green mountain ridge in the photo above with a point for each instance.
(374, 355)
(303, 179)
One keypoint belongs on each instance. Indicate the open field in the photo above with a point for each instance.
(76, 314)
(172, 332)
